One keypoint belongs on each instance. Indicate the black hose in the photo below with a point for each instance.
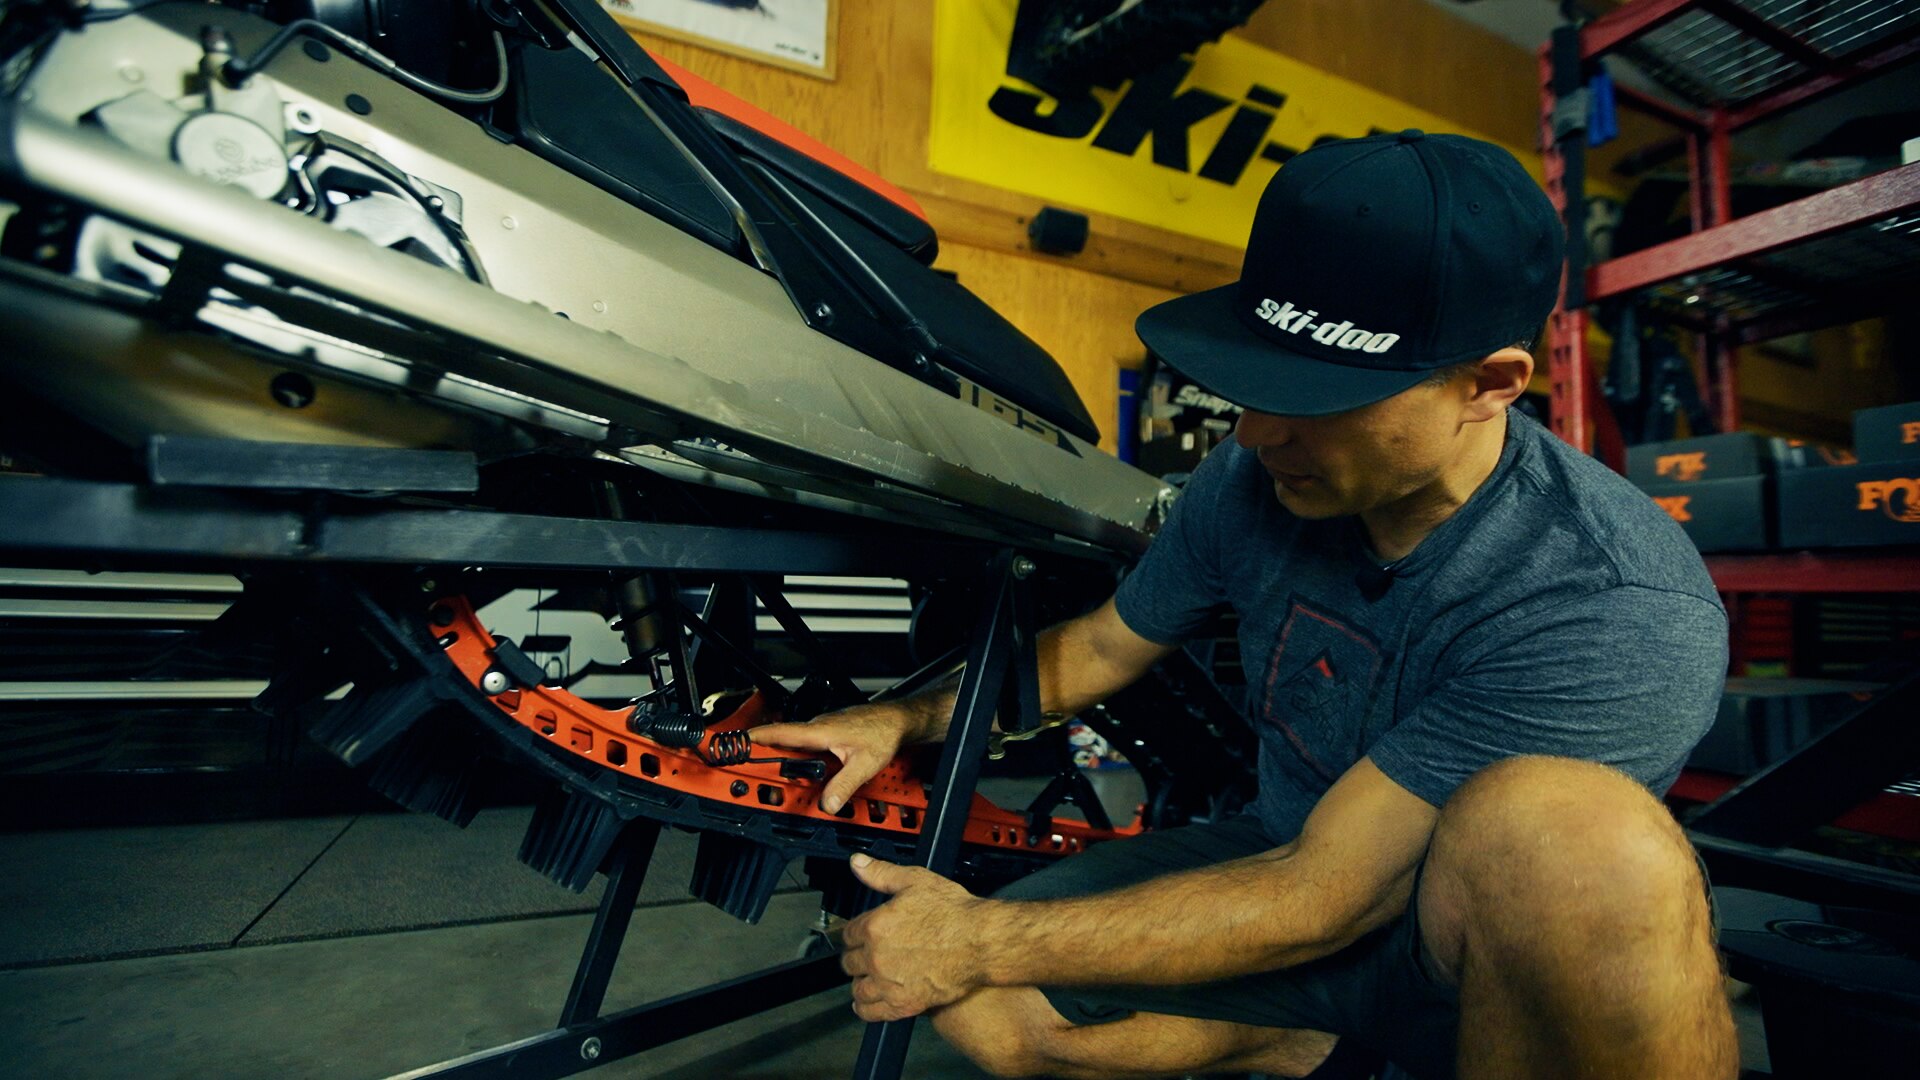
(239, 70)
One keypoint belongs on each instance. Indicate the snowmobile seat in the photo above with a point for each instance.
(854, 190)
(560, 106)
(975, 341)
(899, 226)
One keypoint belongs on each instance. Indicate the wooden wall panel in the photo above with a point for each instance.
(1081, 308)
(848, 113)
(1413, 51)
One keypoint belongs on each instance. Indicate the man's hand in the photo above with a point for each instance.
(916, 952)
(864, 738)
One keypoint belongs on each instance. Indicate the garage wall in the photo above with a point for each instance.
(1081, 308)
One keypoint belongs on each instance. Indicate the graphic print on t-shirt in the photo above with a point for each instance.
(1318, 685)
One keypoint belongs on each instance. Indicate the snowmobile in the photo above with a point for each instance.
(392, 308)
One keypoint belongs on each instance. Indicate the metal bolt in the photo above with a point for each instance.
(600, 306)
(292, 390)
(495, 681)
(1022, 567)
(428, 585)
(590, 1049)
(823, 312)
(738, 788)
(508, 222)
(131, 74)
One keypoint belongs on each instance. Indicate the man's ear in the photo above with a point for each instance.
(1498, 382)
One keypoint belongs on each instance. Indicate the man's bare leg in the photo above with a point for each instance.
(1015, 1032)
(1567, 904)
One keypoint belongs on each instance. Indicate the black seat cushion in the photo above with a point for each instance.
(900, 227)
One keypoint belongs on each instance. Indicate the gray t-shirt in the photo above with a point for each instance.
(1558, 612)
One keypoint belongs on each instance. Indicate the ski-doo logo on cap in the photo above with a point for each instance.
(1342, 335)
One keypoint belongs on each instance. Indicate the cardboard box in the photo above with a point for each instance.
(1851, 506)
(1763, 720)
(1717, 457)
(1686, 461)
(1891, 433)
(1801, 454)
(1719, 515)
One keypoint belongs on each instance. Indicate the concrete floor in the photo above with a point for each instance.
(363, 947)
(367, 946)
(380, 1004)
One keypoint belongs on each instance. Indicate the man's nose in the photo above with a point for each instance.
(1258, 429)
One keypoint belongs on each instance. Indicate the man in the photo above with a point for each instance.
(1472, 653)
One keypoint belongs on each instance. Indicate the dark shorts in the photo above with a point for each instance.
(1381, 991)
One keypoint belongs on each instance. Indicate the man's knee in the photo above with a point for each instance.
(1006, 1032)
(1534, 842)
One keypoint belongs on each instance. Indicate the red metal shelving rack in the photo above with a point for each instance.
(1832, 257)
(1829, 258)
(1816, 572)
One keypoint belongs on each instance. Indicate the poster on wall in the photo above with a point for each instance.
(793, 34)
(1187, 147)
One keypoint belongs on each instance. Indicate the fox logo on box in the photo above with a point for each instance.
(1898, 498)
(1681, 466)
(1675, 506)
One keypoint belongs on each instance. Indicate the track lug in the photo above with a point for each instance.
(735, 875)
(569, 837)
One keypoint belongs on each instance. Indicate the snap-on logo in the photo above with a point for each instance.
(1910, 432)
(1191, 396)
(1675, 506)
(1898, 498)
(1681, 466)
(1339, 334)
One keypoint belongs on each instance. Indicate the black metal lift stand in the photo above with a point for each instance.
(189, 515)
(585, 1039)
(1002, 646)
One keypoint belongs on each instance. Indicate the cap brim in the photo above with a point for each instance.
(1202, 336)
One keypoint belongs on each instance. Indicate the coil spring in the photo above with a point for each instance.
(677, 730)
(728, 748)
(685, 732)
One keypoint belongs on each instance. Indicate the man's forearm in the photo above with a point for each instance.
(930, 710)
(1236, 918)
(1072, 675)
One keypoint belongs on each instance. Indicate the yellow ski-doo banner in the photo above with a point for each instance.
(1188, 147)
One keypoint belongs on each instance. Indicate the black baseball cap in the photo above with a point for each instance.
(1372, 262)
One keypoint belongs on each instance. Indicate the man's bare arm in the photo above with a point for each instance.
(1081, 661)
(1350, 870)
